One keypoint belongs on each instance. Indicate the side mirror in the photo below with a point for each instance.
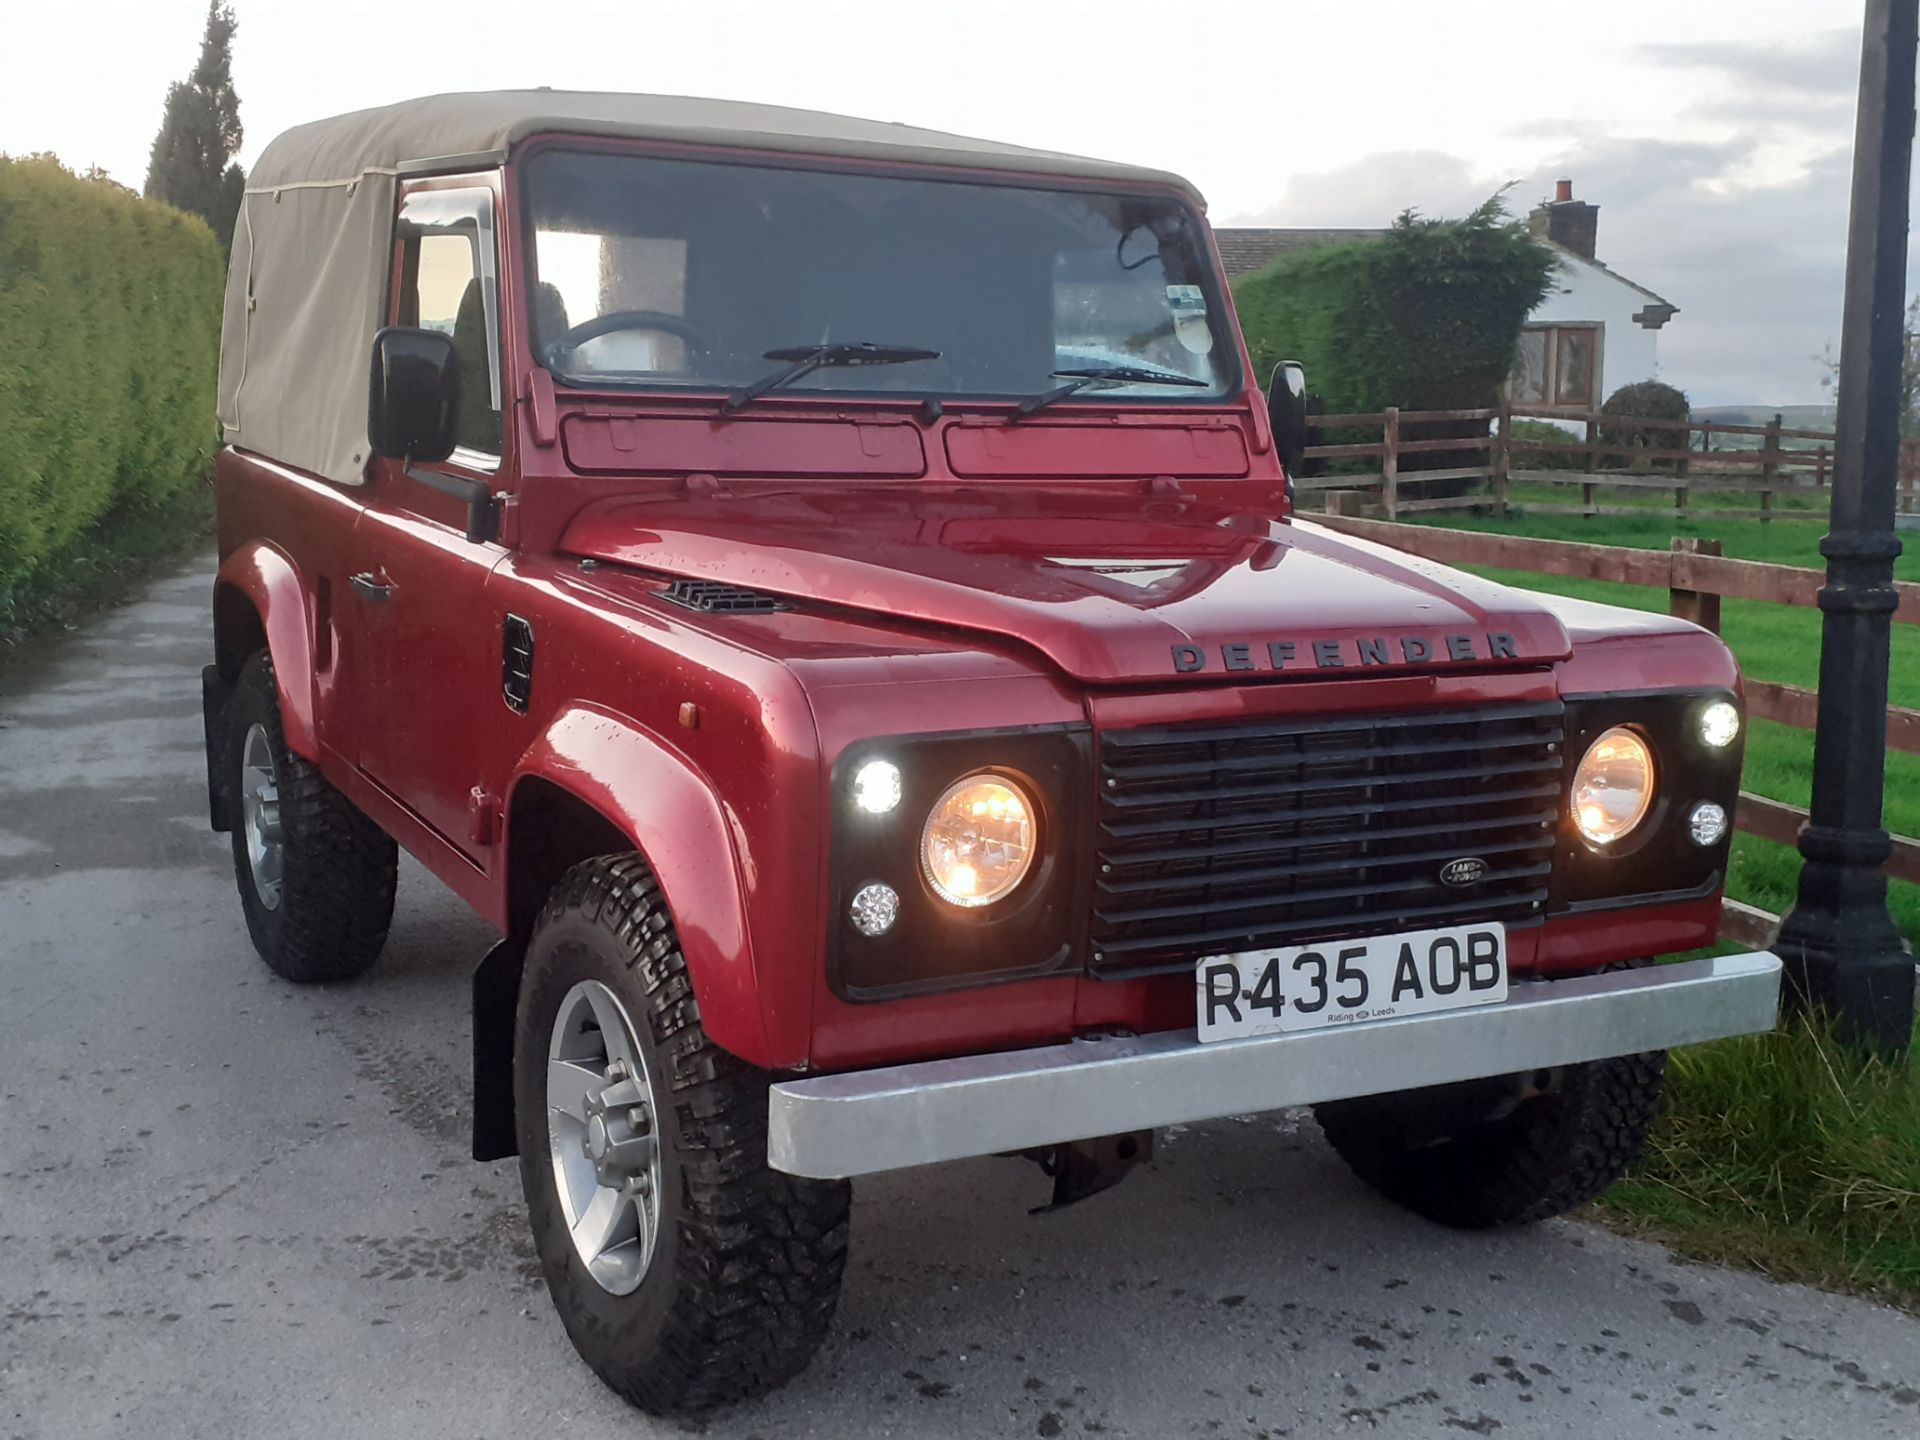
(414, 398)
(1287, 409)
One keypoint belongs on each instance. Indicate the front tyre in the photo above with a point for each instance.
(1508, 1151)
(316, 876)
(688, 1273)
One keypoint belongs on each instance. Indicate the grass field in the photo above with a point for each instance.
(1774, 642)
(1779, 1151)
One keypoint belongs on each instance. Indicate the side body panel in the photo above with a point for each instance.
(703, 753)
(286, 552)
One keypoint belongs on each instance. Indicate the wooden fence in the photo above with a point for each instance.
(1696, 577)
(1757, 462)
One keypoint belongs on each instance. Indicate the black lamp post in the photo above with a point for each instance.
(1844, 955)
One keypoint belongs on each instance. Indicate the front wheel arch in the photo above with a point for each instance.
(550, 830)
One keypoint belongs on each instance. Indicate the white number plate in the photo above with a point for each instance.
(1345, 982)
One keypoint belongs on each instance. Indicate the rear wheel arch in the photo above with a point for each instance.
(238, 630)
(260, 603)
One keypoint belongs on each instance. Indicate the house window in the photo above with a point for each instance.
(1557, 365)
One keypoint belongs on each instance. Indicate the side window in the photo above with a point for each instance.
(449, 281)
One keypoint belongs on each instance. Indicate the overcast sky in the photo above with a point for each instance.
(1715, 135)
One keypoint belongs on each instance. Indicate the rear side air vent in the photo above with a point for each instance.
(719, 597)
(516, 664)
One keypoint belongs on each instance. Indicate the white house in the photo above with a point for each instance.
(1595, 331)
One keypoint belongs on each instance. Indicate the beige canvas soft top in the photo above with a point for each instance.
(306, 287)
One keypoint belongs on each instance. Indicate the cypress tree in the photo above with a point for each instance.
(192, 164)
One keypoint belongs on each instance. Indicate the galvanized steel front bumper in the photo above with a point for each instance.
(888, 1119)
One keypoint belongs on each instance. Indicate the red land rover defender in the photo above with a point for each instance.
(827, 593)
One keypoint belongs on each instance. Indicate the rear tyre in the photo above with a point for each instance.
(688, 1273)
(316, 876)
(1504, 1152)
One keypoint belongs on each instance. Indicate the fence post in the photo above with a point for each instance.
(1820, 468)
(1341, 502)
(1588, 489)
(1769, 468)
(1702, 607)
(1503, 456)
(1390, 464)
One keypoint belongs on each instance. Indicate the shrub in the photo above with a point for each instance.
(1522, 431)
(1424, 317)
(109, 345)
(1644, 400)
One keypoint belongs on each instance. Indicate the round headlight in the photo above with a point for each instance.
(1613, 788)
(1720, 724)
(876, 786)
(978, 840)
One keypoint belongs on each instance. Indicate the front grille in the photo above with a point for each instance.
(1220, 838)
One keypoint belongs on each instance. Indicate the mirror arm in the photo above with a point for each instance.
(483, 511)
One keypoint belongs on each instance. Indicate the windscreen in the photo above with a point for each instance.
(683, 274)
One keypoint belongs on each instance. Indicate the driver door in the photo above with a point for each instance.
(432, 673)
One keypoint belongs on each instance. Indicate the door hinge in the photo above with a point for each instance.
(480, 816)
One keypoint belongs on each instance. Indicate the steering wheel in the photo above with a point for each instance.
(607, 324)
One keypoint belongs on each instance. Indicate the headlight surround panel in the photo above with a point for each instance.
(1658, 859)
(1038, 929)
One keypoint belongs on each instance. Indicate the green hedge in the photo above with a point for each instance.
(1424, 317)
(109, 347)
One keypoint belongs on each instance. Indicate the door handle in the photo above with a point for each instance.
(370, 588)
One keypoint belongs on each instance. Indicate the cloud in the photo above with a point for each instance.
(1374, 189)
(1742, 222)
(1756, 268)
(1807, 85)
(1824, 63)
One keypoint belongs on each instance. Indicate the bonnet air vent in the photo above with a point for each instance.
(719, 597)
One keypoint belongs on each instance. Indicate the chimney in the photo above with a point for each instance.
(1569, 223)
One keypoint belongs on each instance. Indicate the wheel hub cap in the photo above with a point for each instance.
(260, 818)
(606, 1157)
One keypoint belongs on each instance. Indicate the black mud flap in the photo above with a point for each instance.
(215, 692)
(1086, 1167)
(496, 997)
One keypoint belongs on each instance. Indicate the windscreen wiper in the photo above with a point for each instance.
(1078, 380)
(805, 359)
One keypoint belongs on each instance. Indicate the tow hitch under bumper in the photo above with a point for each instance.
(833, 1126)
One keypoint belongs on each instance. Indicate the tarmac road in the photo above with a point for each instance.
(233, 1208)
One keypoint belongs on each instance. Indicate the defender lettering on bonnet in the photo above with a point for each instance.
(1344, 654)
